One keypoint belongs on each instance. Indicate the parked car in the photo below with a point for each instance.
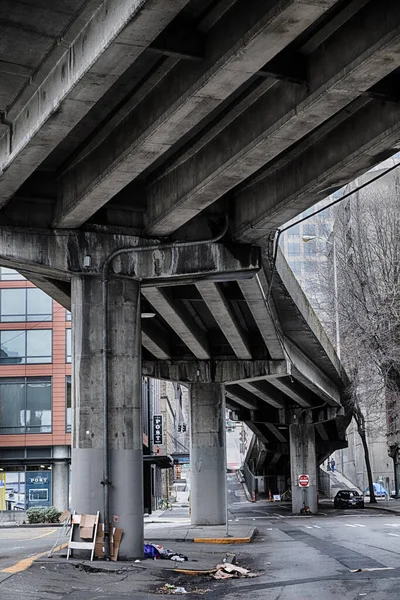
(379, 489)
(348, 499)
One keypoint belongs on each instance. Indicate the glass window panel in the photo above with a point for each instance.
(293, 249)
(68, 345)
(38, 345)
(309, 229)
(38, 406)
(310, 248)
(295, 230)
(12, 347)
(67, 315)
(13, 305)
(12, 407)
(10, 274)
(69, 403)
(39, 305)
(296, 267)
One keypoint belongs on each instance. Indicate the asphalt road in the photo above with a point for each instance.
(336, 555)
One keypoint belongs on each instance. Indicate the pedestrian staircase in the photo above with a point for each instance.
(339, 482)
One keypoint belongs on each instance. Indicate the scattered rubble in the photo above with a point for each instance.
(229, 571)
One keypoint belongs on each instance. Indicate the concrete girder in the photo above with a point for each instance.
(257, 432)
(96, 50)
(322, 431)
(60, 291)
(220, 310)
(294, 328)
(276, 433)
(154, 341)
(240, 401)
(354, 147)
(283, 385)
(255, 389)
(345, 67)
(250, 35)
(60, 254)
(183, 324)
(254, 294)
(305, 371)
(213, 371)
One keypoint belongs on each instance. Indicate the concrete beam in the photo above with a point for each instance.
(60, 291)
(154, 341)
(355, 146)
(208, 371)
(60, 254)
(255, 293)
(285, 385)
(320, 427)
(250, 35)
(221, 312)
(95, 51)
(349, 63)
(276, 433)
(182, 323)
(267, 397)
(305, 371)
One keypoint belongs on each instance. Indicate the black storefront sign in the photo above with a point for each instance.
(157, 429)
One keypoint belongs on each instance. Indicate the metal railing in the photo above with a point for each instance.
(250, 479)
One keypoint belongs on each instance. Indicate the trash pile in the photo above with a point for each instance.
(156, 551)
(229, 571)
(172, 589)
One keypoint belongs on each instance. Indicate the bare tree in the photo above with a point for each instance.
(367, 255)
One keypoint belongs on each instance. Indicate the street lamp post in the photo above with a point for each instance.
(310, 238)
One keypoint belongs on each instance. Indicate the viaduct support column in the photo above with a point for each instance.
(208, 460)
(60, 474)
(303, 461)
(125, 433)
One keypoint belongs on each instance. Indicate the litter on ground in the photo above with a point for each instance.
(157, 551)
(229, 571)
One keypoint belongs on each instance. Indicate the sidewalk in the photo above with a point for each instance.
(160, 526)
(391, 505)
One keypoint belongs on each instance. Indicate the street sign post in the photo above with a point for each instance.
(304, 481)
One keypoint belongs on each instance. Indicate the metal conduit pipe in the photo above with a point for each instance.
(104, 283)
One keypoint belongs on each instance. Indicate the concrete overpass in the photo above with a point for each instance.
(143, 123)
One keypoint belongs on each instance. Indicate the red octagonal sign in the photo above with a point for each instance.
(304, 480)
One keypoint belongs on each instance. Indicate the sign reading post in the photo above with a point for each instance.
(157, 430)
(304, 481)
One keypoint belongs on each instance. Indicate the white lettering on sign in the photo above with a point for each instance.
(38, 479)
(304, 480)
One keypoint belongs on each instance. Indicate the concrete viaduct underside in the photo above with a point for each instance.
(134, 123)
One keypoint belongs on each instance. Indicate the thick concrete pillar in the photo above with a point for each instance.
(60, 477)
(124, 406)
(207, 455)
(303, 461)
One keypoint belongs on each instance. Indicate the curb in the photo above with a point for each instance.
(227, 540)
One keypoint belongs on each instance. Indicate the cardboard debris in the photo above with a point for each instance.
(86, 527)
(115, 541)
(228, 571)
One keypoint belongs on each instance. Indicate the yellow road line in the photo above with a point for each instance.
(24, 564)
(232, 540)
(25, 539)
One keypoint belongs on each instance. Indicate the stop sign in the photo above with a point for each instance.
(304, 481)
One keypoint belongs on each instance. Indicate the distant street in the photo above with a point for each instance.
(335, 555)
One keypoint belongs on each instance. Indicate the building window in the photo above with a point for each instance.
(309, 229)
(25, 304)
(25, 405)
(10, 275)
(295, 230)
(293, 249)
(67, 315)
(296, 267)
(310, 248)
(30, 346)
(68, 351)
(68, 403)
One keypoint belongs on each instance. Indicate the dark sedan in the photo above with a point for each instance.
(348, 499)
